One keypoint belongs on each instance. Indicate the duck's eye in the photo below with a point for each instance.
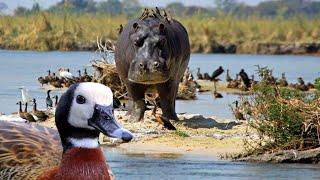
(81, 99)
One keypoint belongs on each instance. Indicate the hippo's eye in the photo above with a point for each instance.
(161, 43)
(80, 99)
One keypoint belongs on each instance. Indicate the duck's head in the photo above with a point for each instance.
(84, 111)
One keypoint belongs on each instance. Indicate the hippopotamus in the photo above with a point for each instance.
(151, 55)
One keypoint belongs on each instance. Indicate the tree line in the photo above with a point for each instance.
(272, 9)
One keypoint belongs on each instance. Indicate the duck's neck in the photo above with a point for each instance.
(20, 107)
(26, 108)
(34, 107)
(83, 163)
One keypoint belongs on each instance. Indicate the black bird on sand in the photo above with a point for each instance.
(49, 101)
(245, 78)
(217, 73)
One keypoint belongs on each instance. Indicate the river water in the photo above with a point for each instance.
(22, 68)
(169, 166)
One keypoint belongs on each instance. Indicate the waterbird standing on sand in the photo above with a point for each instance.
(236, 111)
(55, 81)
(49, 102)
(42, 80)
(65, 74)
(214, 78)
(228, 77)
(199, 75)
(245, 78)
(301, 85)
(56, 100)
(25, 115)
(216, 73)
(87, 77)
(76, 139)
(39, 114)
(283, 81)
(24, 95)
(234, 83)
(20, 112)
(206, 76)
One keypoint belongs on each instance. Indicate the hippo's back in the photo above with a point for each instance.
(177, 44)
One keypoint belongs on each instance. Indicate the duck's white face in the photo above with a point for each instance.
(86, 96)
(92, 109)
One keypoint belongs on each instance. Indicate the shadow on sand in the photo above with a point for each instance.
(198, 121)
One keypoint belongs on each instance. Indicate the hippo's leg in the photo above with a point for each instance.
(136, 103)
(167, 93)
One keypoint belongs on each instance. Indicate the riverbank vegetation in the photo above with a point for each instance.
(271, 27)
(284, 119)
(45, 31)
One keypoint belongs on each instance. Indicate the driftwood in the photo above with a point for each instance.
(108, 75)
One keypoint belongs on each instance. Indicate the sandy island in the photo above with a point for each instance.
(195, 135)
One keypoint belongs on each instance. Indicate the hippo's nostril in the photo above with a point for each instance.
(156, 64)
(141, 65)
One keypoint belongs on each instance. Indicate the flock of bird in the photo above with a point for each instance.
(244, 83)
(35, 115)
(65, 78)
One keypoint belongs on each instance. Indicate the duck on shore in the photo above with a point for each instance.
(76, 138)
(199, 75)
(301, 85)
(228, 77)
(234, 83)
(55, 82)
(236, 111)
(25, 115)
(42, 80)
(87, 77)
(206, 76)
(41, 115)
(283, 81)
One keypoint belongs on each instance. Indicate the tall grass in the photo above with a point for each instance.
(70, 31)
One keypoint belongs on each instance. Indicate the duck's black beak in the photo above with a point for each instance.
(103, 120)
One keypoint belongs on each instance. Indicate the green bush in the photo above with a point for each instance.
(283, 118)
(317, 83)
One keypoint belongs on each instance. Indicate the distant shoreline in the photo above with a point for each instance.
(312, 49)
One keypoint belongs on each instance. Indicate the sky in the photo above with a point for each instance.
(12, 4)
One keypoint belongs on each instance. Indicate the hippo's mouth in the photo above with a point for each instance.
(150, 78)
(148, 81)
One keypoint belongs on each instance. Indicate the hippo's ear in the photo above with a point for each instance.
(161, 27)
(135, 25)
